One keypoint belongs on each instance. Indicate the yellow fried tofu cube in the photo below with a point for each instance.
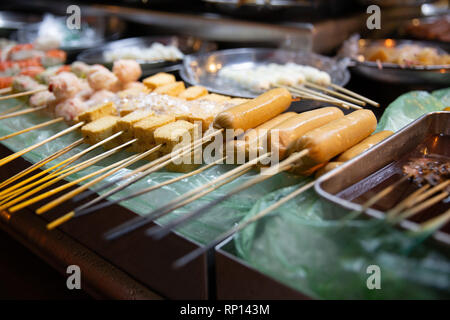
(144, 129)
(171, 89)
(174, 133)
(158, 80)
(99, 130)
(215, 97)
(97, 112)
(204, 119)
(126, 110)
(126, 123)
(193, 92)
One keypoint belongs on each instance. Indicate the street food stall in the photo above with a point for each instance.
(226, 150)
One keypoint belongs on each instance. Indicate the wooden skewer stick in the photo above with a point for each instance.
(405, 203)
(69, 184)
(59, 165)
(306, 95)
(140, 221)
(199, 251)
(141, 171)
(377, 197)
(38, 126)
(435, 223)
(424, 205)
(22, 94)
(22, 112)
(90, 209)
(80, 189)
(55, 177)
(11, 109)
(5, 90)
(169, 207)
(417, 198)
(332, 99)
(41, 163)
(72, 214)
(335, 93)
(160, 232)
(70, 169)
(37, 145)
(354, 94)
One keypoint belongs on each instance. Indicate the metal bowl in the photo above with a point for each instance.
(394, 73)
(202, 69)
(185, 44)
(105, 28)
(13, 21)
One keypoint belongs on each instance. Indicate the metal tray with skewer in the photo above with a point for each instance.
(203, 69)
(352, 183)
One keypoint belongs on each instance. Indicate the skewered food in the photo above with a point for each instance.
(339, 135)
(254, 112)
(127, 70)
(156, 51)
(193, 92)
(171, 89)
(159, 80)
(264, 77)
(65, 85)
(99, 129)
(289, 131)
(405, 55)
(364, 145)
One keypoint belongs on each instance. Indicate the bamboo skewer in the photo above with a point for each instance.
(199, 251)
(80, 189)
(424, 205)
(67, 185)
(11, 110)
(335, 93)
(22, 112)
(41, 163)
(142, 174)
(435, 223)
(61, 175)
(38, 126)
(167, 208)
(416, 197)
(142, 170)
(354, 94)
(37, 145)
(140, 221)
(377, 197)
(317, 97)
(90, 209)
(22, 94)
(333, 100)
(5, 90)
(405, 203)
(59, 166)
(65, 172)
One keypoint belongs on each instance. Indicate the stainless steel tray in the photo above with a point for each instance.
(186, 44)
(202, 69)
(386, 153)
